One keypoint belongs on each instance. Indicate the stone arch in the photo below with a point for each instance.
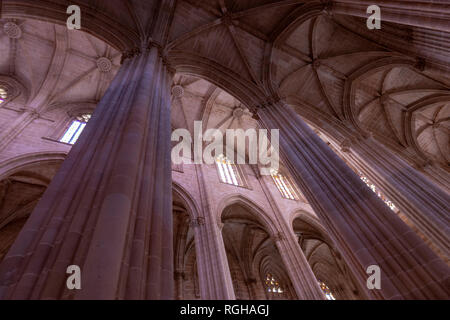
(245, 91)
(365, 71)
(250, 237)
(187, 198)
(23, 181)
(16, 89)
(185, 212)
(411, 132)
(10, 166)
(325, 260)
(311, 220)
(94, 22)
(256, 211)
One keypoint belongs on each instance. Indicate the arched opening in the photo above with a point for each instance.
(256, 267)
(185, 258)
(20, 191)
(330, 270)
(23, 183)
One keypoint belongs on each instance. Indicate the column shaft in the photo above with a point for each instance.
(109, 208)
(421, 200)
(363, 228)
(214, 274)
(300, 273)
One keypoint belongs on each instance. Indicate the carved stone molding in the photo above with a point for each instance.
(238, 112)
(177, 91)
(197, 222)
(104, 64)
(12, 30)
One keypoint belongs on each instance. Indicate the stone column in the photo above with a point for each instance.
(421, 200)
(363, 228)
(298, 268)
(179, 279)
(214, 274)
(300, 273)
(109, 208)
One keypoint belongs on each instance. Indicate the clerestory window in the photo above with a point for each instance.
(283, 185)
(228, 172)
(76, 128)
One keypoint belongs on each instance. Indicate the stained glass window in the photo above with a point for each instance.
(3, 95)
(283, 185)
(326, 290)
(388, 202)
(73, 133)
(227, 171)
(272, 285)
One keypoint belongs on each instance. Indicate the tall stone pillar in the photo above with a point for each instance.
(421, 200)
(300, 273)
(109, 208)
(214, 274)
(363, 228)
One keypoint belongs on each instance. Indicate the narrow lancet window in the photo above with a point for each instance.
(283, 185)
(326, 290)
(272, 285)
(76, 128)
(388, 202)
(227, 171)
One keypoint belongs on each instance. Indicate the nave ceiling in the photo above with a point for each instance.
(323, 65)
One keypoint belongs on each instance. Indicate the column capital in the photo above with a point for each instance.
(268, 101)
(197, 222)
(130, 53)
(137, 51)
